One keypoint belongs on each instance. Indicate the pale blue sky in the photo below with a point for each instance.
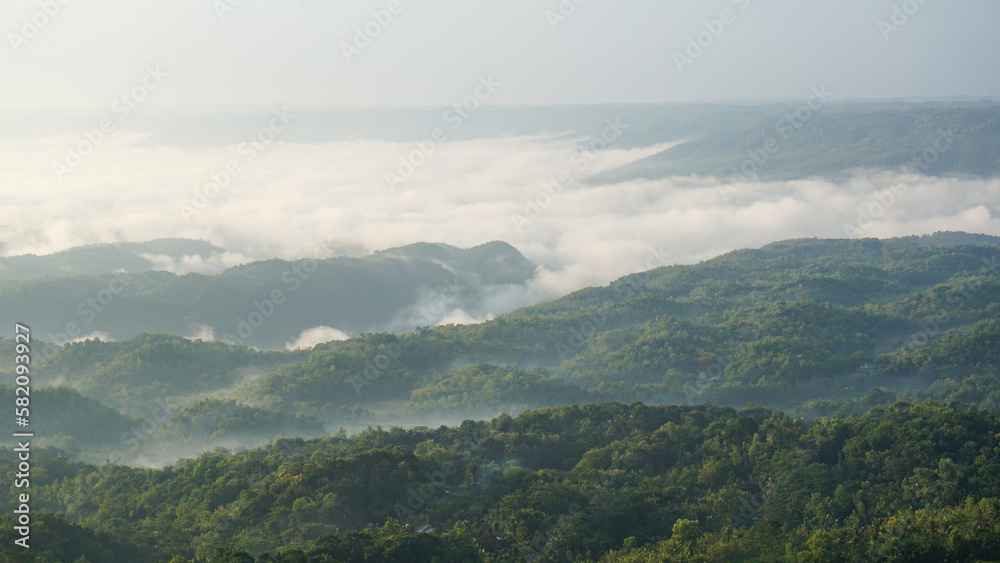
(290, 51)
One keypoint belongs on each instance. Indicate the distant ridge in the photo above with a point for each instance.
(496, 261)
(954, 238)
(767, 142)
(104, 258)
(268, 304)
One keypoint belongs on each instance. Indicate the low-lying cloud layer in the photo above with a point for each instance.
(289, 198)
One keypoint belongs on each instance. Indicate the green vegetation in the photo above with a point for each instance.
(106, 258)
(218, 421)
(135, 374)
(837, 138)
(619, 426)
(483, 387)
(70, 419)
(600, 482)
(265, 304)
(793, 322)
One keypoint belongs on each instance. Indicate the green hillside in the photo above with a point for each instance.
(865, 364)
(265, 304)
(104, 258)
(774, 143)
(783, 325)
(601, 482)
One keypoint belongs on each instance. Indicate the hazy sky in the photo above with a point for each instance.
(432, 51)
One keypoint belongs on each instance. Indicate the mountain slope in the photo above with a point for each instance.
(269, 304)
(772, 143)
(788, 320)
(782, 325)
(107, 258)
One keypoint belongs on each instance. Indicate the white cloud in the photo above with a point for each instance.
(470, 192)
(316, 335)
(187, 264)
(198, 331)
(98, 335)
(460, 317)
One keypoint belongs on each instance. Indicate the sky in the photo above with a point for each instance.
(308, 52)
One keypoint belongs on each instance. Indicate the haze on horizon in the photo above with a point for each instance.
(251, 52)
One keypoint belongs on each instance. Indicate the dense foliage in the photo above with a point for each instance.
(267, 304)
(793, 322)
(835, 139)
(599, 482)
(870, 361)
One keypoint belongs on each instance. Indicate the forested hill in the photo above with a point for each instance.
(874, 366)
(788, 142)
(785, 325)
(601, 482)
(815, 137)
(122, 290)
(107, 258)
(789, 322)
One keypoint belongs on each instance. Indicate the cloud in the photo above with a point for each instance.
(187, 264)
(198, 331)
(291, 196)
(460, 317)
(317, 335)
(98, 335)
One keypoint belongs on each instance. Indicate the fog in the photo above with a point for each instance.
(293, 196)
(309, 338)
